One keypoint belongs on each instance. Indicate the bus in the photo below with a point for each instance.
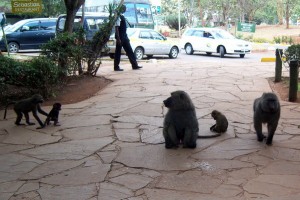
(138, 12)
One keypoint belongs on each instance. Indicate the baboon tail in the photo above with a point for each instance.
(210, 136)
(5, 111)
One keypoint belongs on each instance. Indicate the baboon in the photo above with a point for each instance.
(266, 110)
(25, 106)
(53, 115)
(221, 122)
(180, 123)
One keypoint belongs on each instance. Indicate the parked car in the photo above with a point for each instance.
(146, 42)
(28, 34)
(90, 23)
(213, 40)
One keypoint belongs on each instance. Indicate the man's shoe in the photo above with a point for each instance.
(119, 70)
(137, 67)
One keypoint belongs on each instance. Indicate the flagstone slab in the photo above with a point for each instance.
(139, 119)
(90, 132)
(68, 192)
(109, 191)
(26, 136)
(79, 176)
(128, 135)
(28, 187)
(76, 149)
(156, 157)
(151, 134)
(132, 181)
(192, 181)
(85, 120)
(10, 148)
(229, 149)
(51, 167)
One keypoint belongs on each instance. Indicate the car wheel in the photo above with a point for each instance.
(208, 53)
(173, 52)
(139, 53)
(13, 47)
(189, 49)
(222, 51)
(242, 55)
(111, 55)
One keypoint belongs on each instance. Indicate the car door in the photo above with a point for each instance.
(29, 37)
(145, 40)
(47, 31)
(208, 42)
(196, 39)
(161, 46)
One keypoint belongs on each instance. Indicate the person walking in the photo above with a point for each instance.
(122, 40)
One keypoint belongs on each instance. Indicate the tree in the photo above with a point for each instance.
(52, 8)
(280, 11)
(72, 6)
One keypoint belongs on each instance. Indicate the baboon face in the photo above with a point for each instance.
(214, 114)
(179, 100)
(57, 106)
(269, 103)
(37, 98)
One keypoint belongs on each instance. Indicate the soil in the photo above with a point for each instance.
(79, 89)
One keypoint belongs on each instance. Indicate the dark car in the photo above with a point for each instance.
(28, 34)
(90, 23)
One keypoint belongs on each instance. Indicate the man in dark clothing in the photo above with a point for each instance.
(122, 40)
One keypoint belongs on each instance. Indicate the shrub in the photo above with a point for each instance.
(172, 22)
(39, 75)
(293, 52)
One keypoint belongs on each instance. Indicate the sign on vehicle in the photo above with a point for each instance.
(246, 27)
(26, 6)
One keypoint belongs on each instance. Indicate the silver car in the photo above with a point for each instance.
(146, 42)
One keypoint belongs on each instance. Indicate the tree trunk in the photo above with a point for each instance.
(280, 11)
(201, 13)
(72, 6)
(287, 16)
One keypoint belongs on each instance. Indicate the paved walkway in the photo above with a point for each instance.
(110, 147)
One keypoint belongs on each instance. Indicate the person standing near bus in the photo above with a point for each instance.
(122, 40)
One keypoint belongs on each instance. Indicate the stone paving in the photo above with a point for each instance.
(110, 147)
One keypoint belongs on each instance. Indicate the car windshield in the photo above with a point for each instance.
(130, 32)
(221, 34)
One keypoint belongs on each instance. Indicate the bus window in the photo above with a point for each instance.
(144, 15)
(130, 13)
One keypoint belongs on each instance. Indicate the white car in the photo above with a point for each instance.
(146, 42)
(213, 40)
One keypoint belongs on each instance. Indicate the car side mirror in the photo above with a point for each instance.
(25, 28)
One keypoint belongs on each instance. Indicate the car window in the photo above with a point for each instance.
(130, 31)
(206, 34)
(92, 24)
(189, 32)
(31, 26)
(198, 33)
(48, 25)
(145, 35)
(99, 22)
(223, 34)
(156, 36)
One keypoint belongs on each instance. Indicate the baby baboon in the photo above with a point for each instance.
(25, 106)
(221, 122)
(180, 123)
(266, 110)
(53, 115)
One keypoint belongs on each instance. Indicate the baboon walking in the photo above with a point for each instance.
(266, 110)
(25, 106)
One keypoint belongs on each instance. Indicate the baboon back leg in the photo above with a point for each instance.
(19, 118)
(171, 139)
(271, 130)
(189, 140)
(258, 129)
(27, 119)
(38, 119)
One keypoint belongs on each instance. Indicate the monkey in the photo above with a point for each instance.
(25, 106)
(53, 115)
(180, 123)
(266, 110)
(221, 122)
